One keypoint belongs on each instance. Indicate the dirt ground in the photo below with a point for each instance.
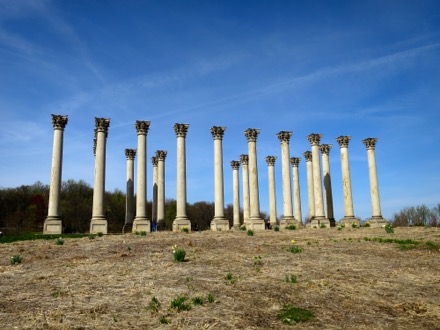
(109, 282)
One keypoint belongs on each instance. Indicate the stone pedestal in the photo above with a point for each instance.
(244, 160)
(294, 161)
(376, 220)
(130, 154)
(349, 217)
(181, 217)
(160, 156)
(99, 222)
(219, 222)
(236, 194)
(325, 151)
(272, 193)
(141, 221)
(310, 193)
(53, 223)
(314, 140)
(255, 222)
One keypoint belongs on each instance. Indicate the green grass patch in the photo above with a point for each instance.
(290, 314)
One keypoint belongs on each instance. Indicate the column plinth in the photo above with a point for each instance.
(130, 154)
(141, 221)
(320, 218)
(99, 222)
(255, 222)
(244, 160)
(294, 161)
(325, 152)
(349, 217)
(160, 156)
(272, 194)
(219, 222)
(236, 194)
(53, 223)
(310, 193)
(376, 220)
(181, 219)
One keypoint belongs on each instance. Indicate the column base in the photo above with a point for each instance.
(128, 228)
(289, 221)
(161, 225)
(141, 224)
(53, 225)
(319, 222)
(377, 221)
(235, 227)
(219, 224)
(350, 220)
(98, 225)
(256, 224)
(332, 222)
(179, 223)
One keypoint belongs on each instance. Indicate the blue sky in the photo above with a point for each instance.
(358, 68)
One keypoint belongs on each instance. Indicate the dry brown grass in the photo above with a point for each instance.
(108, 282)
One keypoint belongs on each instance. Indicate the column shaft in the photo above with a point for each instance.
(296, 189)
(236, 193)
(310, 191)
(325, 151)
(244, 159)
(154, 162)
(272, 194)
(129, 198)
(284, 138)
(160, 156)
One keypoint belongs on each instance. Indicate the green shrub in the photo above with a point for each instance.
(198, 301)
(184, 229)
(243, 228)
(211, 298)
(389, 228)
(290, 279)
(153, 305)
(322, 226)
(180, 304)
(276, 228)
(59, 241)
(250, 232)
(164, 320)
(290, 314)
(100, 234)
(291, 227)
(178, 254)
(15, 259)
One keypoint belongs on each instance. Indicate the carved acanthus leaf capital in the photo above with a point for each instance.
(154, 161)
(142, 127)
(284, 136)
(294, 161)
(308, 156)
(130, 153)
(325, 149)
(244, 159)
(235, 164)
(370, 143)
(218, 132)
(314, 139)
(270, 160)
(251, 134)
(102, 125)
(59, 121)
(161, 155)
(343, 141)
(181, 129)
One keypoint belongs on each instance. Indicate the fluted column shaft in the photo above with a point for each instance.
(142, 128)
(284, 138)
(130, 154)
(310, 190)
(272, 194)
(52, 224)
(99, 222)
(314, 140)
(296, 188)
(325, 151)
(346, 181)
(160, 156)
(236, 193)
(219, 205)
(244, 160)
(154, 162)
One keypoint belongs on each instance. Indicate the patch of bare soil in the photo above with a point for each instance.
(109, 282)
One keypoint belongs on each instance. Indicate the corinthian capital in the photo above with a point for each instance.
(370, 143)
(235, 164)
(251, 134)
(270, 160)
(142, 127)
(130, 153)
(244, 159)
(308, 156)
(102, 125)
(343, 141)
(59, 121)
(181, 129)
(294, 161)
(161, 154)
(325, 149)
(284, 136)
(154, 161)
(314, 139)
(217, 132)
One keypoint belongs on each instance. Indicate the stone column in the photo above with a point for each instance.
(141, 221)
(99, 222)
(160, 156)
(288, 218)
(53, 222)
(154, 162)
(244, 160)
(325, 151)
(272, 194)
(310, 193)
(255, 222)
(349, 217)
(130, 154)
(219, 222)
(236, 193)
(181, 217)
(320, 218)
(296, 190)
(376, 220)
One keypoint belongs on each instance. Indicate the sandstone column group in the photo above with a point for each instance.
(136, 219)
